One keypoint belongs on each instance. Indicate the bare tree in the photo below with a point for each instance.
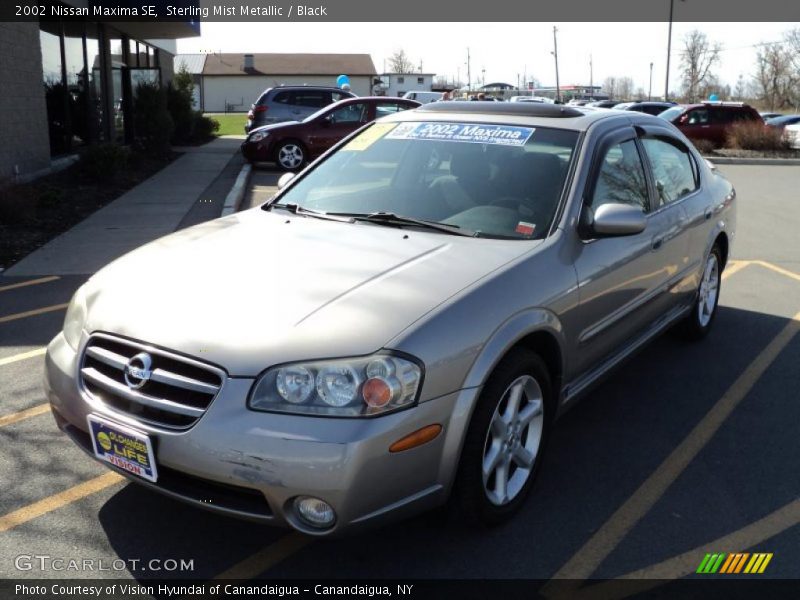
(698, 57)
(399, 62)
(610, 87)
(792, 48)
(625, 88)
(774, 79)
(740, 91)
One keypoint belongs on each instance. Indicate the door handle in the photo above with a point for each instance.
(657, 243)
(708, 213)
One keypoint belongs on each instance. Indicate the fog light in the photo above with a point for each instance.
(315, 512)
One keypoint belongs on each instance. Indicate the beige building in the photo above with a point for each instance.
(232, 82)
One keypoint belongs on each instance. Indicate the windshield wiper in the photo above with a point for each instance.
(296, 209)
(391, 218)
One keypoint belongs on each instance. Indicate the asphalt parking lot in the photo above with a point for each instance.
(688, 449)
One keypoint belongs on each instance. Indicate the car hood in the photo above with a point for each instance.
(274, 126)
(265, 287)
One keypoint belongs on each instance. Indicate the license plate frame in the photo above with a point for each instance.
(123, 447)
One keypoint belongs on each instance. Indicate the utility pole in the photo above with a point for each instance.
(469, 74)
(650, 89)
(555, 55)
(591, 76)
(669, 48)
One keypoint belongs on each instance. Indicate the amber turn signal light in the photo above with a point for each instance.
(419, 437)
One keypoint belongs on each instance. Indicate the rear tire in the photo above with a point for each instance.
(505, 440)
(698, 323)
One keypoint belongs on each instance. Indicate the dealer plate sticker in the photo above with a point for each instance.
(126, 449)
(473, 133)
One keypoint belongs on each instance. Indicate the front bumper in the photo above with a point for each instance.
(252, 465)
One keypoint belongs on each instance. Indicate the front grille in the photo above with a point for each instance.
(176, 394)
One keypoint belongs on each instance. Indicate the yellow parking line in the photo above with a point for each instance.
(586, 560)
(267, 557)
(23, 356)
(14, 286)
(32, 313)
(24, 414)
(778, 269)
(51, 503)
(734, 266)
(685, 564)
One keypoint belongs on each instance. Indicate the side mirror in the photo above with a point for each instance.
(616, 219)
(284, 180)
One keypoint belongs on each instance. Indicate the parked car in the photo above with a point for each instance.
(423, 97)
(792, 135)
(291, 103)
(403, 320)
(291, 145)
(770, 115)
(782, 121)
(651, 108)
(603, 103)
(710, 120)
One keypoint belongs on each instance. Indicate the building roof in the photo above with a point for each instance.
(290, 64)
(194, 62)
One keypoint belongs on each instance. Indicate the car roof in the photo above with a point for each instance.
(327, 88)
(530, 114)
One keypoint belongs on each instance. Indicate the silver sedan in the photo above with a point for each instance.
(402, 323)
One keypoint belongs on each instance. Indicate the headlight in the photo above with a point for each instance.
(258, 136)
(75, 318)
(355, 387)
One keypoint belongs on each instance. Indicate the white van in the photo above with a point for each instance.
(423, 97)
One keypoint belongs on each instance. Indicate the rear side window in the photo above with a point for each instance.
(621, 178)
(673, 169)
(339, 96)
(282, 98)
(312, 98)
(389, 108)
(698, 116)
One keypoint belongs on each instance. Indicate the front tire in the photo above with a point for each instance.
(290, 156)
(698, 323)
(505, 440)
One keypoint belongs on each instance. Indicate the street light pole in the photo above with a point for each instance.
(669, 48)
(555, 56)
(591, 76)
(650, 89)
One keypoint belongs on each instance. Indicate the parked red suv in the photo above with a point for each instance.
(293, 144)
(709, 120)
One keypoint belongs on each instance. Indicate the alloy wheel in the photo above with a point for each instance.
(513, 440)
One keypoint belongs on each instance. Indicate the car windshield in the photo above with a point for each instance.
(499, 181)
(671, 113)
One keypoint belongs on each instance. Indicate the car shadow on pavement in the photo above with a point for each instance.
(599, 453)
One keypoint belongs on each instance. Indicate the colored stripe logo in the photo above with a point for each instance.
(737, 562)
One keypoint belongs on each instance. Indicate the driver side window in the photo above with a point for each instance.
(621, 178)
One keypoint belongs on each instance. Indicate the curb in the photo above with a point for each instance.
(234, 198)
(729, 160)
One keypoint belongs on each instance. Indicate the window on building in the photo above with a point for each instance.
(401, 80)
(420, 80)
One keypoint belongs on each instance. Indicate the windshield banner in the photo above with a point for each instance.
(474, 133)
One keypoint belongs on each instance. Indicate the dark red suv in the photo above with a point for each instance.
(293, 144)
(709, 120)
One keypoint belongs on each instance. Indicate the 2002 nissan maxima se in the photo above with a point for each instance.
(402, 322)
